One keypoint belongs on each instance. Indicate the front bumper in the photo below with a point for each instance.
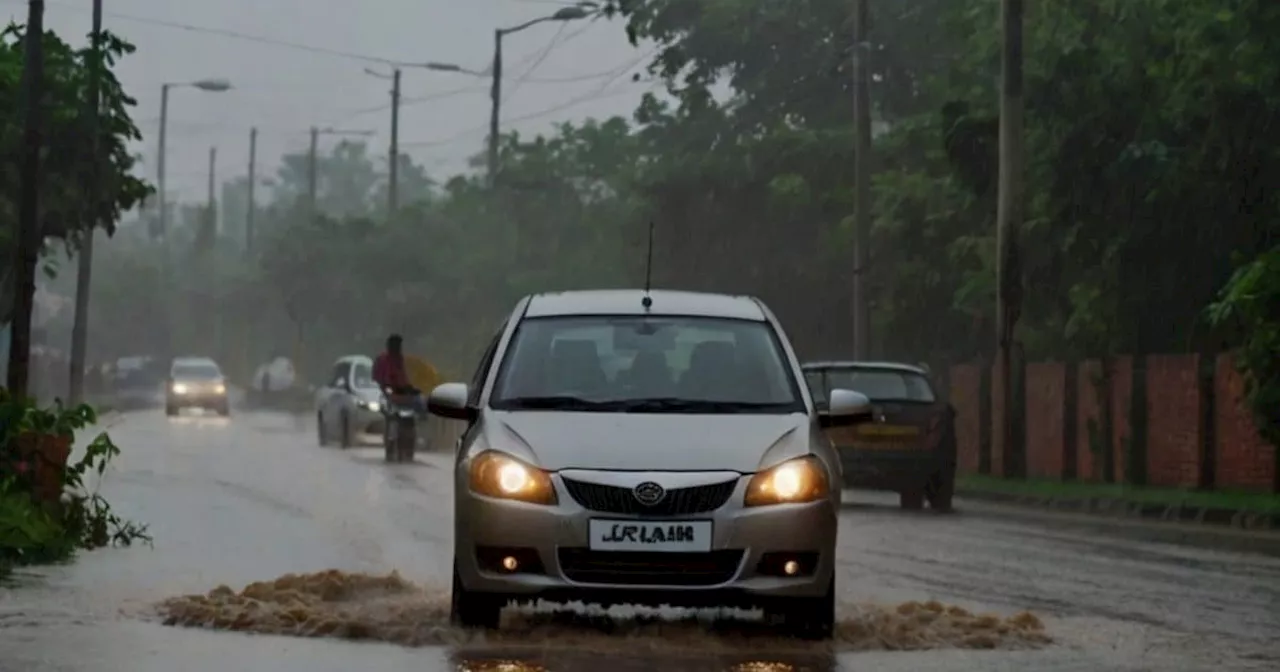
(743, 568)
(196, 400)
(897, 469)
(367, 423)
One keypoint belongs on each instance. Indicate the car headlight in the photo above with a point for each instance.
(220, 389)
(371, 405)
(179, 388)
(494, 474)
(792, 482)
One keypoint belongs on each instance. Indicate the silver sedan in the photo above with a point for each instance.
(654, 448)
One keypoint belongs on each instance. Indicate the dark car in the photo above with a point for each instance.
(909, 447)
(196, 382)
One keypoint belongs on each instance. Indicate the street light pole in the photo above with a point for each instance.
(252, 207)
(393, 186)
(581, 10)
(80, 325)
(163, 225)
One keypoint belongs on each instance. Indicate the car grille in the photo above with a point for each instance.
(636, 568)
(678, 502)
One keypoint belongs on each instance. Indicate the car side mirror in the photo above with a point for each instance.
(450, 401)
(845, 408)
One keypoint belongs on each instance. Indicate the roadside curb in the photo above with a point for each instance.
(1211, 517)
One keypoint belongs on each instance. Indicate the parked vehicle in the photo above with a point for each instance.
(349, 406)
(636, 447)
(910, 448)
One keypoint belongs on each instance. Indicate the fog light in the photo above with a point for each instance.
(510, 564)
(791, 568)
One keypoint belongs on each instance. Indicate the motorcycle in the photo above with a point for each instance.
(400, 439)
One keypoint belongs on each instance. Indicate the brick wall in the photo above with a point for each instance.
(1176, 431)
(1174, 434)
(1046, 404)
(966, 386)
(1242, 459)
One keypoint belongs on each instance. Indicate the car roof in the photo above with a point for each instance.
(355, 359)
(194, 361)
(628, 302)
(855, 364)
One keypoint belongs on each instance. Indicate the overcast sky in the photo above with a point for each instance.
(284, 91)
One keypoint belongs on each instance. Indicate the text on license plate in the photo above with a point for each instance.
(685, 536)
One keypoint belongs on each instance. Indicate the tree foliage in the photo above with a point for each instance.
(1152, 159)
(66, 206)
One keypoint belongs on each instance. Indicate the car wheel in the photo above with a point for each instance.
(942, 490)
(170, 410)
(469, 609)
(911, 500)
(224, 410)
(320, 436)
(344, 431)
(811, 618)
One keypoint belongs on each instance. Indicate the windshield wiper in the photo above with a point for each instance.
(554, 403)
(680, 405)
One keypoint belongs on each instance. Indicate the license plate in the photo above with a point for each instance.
(686, 536)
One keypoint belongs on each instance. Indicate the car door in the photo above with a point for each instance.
(335, 392)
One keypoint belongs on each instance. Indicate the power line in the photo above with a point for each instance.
(598, 95)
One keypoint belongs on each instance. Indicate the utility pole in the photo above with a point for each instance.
(1008, 222)
(19, 373)
(213, 196)
(80, 326)
(252, 207)
(393, 171)
(862, 181)
(160, 195)
(312, 174)
(495, 95)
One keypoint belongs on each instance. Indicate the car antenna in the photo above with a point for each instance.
(647, 301)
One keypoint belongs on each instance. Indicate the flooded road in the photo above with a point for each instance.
(233, 502)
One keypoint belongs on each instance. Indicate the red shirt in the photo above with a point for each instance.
(389, 371)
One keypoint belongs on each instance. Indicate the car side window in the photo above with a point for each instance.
(341, 374)
(482, 370)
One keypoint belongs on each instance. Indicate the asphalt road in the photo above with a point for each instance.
(252, 498)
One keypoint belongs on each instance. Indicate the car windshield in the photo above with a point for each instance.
(646, 364)
(877, 384)
(362, 376)
(196, 371)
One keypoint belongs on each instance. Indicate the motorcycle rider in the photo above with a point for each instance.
(390, 374)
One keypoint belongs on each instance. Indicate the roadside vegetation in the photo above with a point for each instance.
(51, 509)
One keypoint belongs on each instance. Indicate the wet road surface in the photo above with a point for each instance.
(231, 502)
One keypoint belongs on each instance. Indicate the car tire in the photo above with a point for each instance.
(320, 435)
(472, 610)
(911, 500)
(942, 490)
(810, 618)
(344, 431)
(170, 410)
(224, 410)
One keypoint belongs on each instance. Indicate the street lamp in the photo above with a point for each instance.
(216, 85)
(581, 10)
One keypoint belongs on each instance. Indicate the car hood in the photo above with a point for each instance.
(648, 442)
(369, 395)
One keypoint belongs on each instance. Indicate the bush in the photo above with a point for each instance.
(33, 531)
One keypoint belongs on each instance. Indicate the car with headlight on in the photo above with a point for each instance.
(349, 406)
(908, 447)
(196, 382)
(648, 448)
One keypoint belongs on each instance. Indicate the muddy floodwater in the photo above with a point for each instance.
(275, 554)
